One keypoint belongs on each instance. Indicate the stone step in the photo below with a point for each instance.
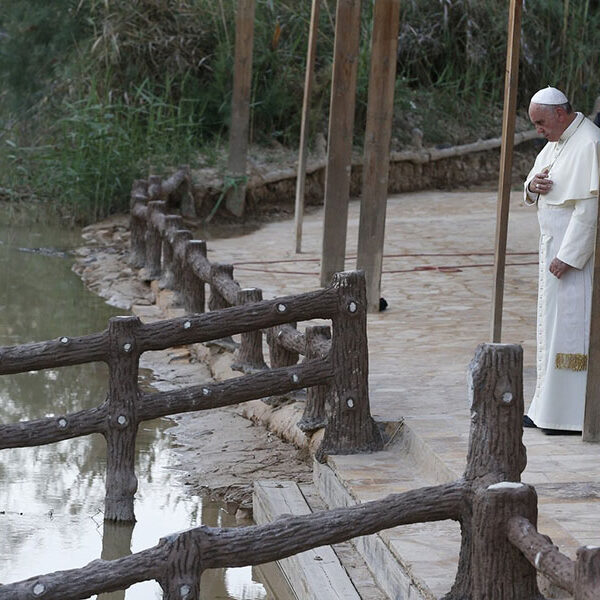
(412, 562)
(316, 574)
(418, 562)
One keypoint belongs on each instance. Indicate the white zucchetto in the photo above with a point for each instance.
(549, 95)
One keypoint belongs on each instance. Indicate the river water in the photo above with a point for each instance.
(52, 497)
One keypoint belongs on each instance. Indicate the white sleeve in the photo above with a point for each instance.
(529, 198)
(580, 238)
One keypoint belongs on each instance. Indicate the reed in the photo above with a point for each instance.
(148, 82)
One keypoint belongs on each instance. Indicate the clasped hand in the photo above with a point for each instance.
(540, 184)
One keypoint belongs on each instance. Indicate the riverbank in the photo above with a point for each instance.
(221, 451)
(437, 275)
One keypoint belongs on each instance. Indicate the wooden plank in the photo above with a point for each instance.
(511, 82)
(591, 418)
(316, 573)
(341, 128)
(378, 134)
(304, 128)
(240, 106)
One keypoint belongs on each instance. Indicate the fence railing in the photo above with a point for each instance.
(350, 428)
(501, 551)
(170, 255)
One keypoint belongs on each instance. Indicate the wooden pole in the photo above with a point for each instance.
(303, 152)
(240, 106)
(591, 419)
(341, 128)
(511, 82)
(380, 110)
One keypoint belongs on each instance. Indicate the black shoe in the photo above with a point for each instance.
(527, 422)
(560, 432)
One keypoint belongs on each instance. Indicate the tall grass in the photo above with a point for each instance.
(148, 82)
(92, 152)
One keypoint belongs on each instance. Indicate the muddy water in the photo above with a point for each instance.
(51, 497)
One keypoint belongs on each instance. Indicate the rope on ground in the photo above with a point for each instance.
(438, 268)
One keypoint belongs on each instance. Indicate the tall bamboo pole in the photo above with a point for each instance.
(591, 419)
(304, 128)
(380, 110)
(240, 106)
(506, 156)
(341, 129)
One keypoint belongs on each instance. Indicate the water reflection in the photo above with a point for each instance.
(52, 497)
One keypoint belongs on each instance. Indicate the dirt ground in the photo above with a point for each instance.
(220, 451)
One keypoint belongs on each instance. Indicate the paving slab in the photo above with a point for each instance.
(437, 279)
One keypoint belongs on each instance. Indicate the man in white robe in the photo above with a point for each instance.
(564, 185)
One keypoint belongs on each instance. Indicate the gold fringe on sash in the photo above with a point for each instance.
(573, 362)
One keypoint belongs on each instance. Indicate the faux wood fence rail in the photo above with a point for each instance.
(344, 369)
(286, 343)
(493, 508)
(170, 255)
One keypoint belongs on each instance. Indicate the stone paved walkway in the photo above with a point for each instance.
(437, 280)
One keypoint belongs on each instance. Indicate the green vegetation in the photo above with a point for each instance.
(96, 92)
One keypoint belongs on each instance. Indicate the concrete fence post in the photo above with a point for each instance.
(172, 224)
(499, 570)
(153, 240)
(183, 569)
(216, 300)
(193, 286)
(139, 198)
(587, 573)
(279, 356)
(351, 428)
(180, 237)
(122, 423)
(496, 452)
(318, 397)
(249, 356)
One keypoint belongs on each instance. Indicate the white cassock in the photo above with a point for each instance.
(567, 216)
